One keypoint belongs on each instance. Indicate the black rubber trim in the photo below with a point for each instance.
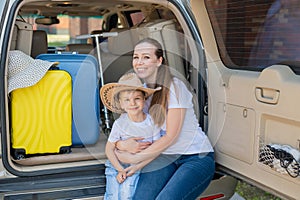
(56, 186)
(63, 194)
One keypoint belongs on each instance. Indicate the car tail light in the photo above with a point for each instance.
(212, 197)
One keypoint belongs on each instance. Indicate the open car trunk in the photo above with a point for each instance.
(245, 81)
(47, 30)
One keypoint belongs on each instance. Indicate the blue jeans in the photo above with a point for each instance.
(116, 190)
(176, 177)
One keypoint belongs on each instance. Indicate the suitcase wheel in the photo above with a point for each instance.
(18, 154)
(65, 150)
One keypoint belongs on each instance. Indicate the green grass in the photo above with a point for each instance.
(250, 192)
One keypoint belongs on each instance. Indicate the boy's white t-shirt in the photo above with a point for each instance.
(124, 128)
(192, 139)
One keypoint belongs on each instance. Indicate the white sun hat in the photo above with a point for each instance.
(24, 71)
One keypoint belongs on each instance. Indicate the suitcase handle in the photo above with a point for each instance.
(54, 66)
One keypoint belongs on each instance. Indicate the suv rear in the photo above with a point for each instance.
(244, 81)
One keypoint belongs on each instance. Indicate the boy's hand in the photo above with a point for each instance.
(121, 176)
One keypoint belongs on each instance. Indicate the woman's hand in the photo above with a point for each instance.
(134, 168)
(132, 145)
(131, 170)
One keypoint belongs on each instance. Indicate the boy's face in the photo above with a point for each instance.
(132, 101)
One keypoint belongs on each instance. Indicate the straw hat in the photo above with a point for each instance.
(24, 71)
(128, 81)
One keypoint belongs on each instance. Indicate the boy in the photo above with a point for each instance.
(127, 97)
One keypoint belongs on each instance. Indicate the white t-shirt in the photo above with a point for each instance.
(124, 128)
(191, 139)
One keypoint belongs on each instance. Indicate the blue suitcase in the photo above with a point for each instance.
(84, 71)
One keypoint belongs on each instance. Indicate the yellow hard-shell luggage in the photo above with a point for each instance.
(42, 116)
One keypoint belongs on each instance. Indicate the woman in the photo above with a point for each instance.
(180, 164)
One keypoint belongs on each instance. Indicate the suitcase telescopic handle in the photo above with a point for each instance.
(97, 36)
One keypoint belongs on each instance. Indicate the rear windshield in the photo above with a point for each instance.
(255, 34)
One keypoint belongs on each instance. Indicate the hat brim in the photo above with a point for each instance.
(29, 76)
(108, 91)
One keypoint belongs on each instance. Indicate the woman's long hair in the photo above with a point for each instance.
(159, 102)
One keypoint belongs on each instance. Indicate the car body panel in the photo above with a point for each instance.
(249, 109)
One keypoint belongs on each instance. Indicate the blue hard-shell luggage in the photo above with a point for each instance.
(84, 71)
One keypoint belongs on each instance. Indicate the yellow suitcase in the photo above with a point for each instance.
(41, 116)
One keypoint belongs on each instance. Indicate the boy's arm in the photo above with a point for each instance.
(110, 153)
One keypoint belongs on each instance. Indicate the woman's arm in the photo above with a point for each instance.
(174, 122)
